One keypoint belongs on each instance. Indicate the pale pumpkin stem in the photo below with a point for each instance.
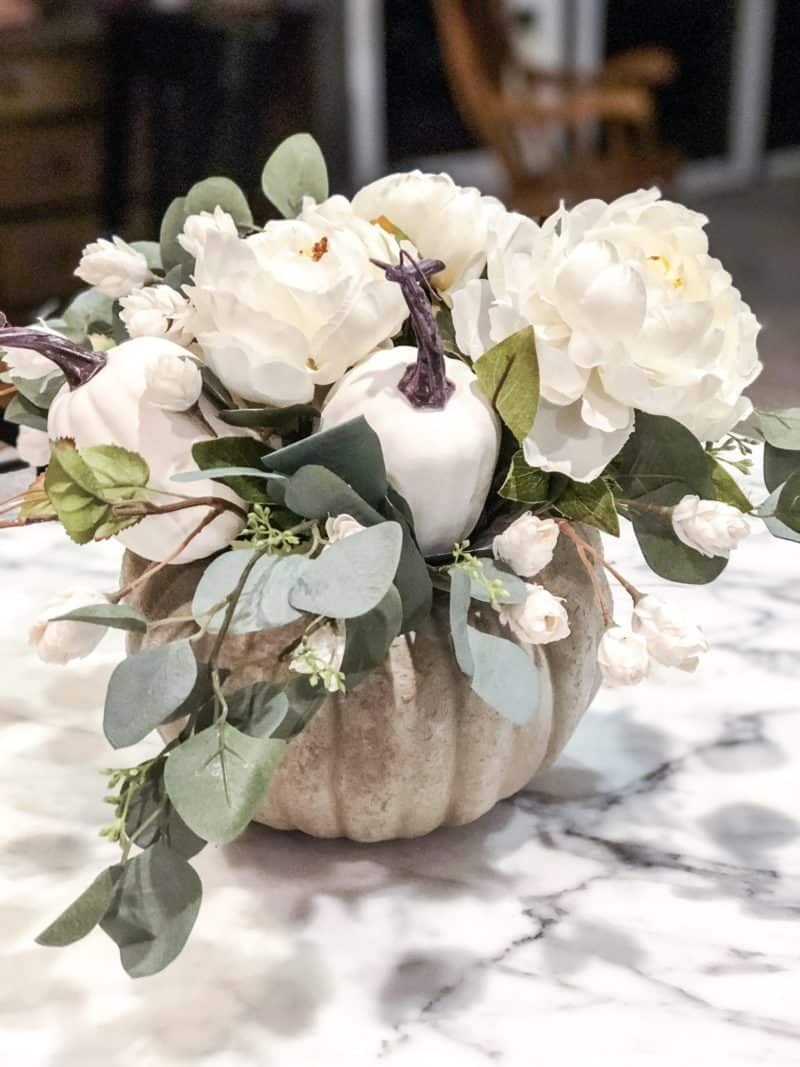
(79, 364)
(424, 384)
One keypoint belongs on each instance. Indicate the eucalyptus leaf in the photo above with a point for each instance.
(525, 484)
(39, 391)
(154, 907)
(273, 418)
(294, 170)
(781, 429)
(151, 250)
(305, 700)
(412, 580)
(369, 637)
(274, 607)
(146, 690)
(83, 914)
(459, 611)
(351, 450)
(787, 509)
(352, 576)
(777, 528)
(219, 580)
(779, 465)
(115, 616)
(172, 254)
(223, 473)
(590, 503)
(23, 413)
(508, 374)
(212, 193)
(316, 493)
(242, 452)
(88, 307)
(218, 778)
(257, 710)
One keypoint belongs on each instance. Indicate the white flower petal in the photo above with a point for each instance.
(561, 441)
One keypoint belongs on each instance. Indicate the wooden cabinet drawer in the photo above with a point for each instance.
(38, 259)
(36, 85)
(42, 165)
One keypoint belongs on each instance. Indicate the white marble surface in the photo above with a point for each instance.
(637, 907)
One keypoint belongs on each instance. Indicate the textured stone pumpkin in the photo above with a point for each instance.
(412, 748)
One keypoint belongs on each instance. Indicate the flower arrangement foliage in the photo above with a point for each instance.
(347, 412)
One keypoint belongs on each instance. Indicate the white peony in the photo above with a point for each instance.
(709, 526)
(293, 307)
(539, 620)
(671, 640)
(113, 267)
(197, 228)
(172, 382)
(629, 311)
(156, 311)
(527, 545)
(337, 527)
(623, 656)
(33, 446)
(60, 642)
(441, 219)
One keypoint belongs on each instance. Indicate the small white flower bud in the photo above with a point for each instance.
(113, 267)
(197, 228)
(157, 311)
(527, 545)
(539, 620)
(671, 640)
(337, 527)
(173, 383)
(60, 642)
(622, 656)
(708, 526)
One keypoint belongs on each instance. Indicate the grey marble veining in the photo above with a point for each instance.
(638, 905)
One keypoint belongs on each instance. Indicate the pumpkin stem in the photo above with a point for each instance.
(424, 384)
(78, 363)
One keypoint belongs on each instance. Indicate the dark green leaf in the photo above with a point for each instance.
(590, 503)
(787, 509)
(146, 690)
(351, 576)
(24, 413)
(155, 904)
(317, 493)
(234, 452)
(351, 450)
(412, 580)
(257, 710)
(779, 465)
(781, 429)
(305, 700)
(115, 616)
(274, 418)
(223, 473)
(218, 778)
(295, 169)
(82, 915)
(525, 484)
(215, 389)
(508, 374)
(661, 452)
(773, 524)
(726, 488)
(369, 636)
(212, 193)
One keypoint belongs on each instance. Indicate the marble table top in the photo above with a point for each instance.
(638, 905)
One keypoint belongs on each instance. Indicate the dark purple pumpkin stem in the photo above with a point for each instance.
(424, 384)
(78, 363)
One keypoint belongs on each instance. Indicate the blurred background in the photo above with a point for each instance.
(109, 108)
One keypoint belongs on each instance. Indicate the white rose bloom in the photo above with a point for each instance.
(708, 526)
(60, 642)
(441, 219)
(527, 545)
(33, 446)
(622, 656)
(173, 383)
(113, 267)
(629, 312)
(157, 311)
(337, 527)
(539, 620)
(671, 639)
(293, 307)
(197, 228)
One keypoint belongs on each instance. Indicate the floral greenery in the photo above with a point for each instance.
(286, 569)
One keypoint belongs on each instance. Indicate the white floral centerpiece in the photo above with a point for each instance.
(345, 418)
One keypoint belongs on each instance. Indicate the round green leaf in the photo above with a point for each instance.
(146, 690)
(295, 169)
(219, 192)
(81, 917)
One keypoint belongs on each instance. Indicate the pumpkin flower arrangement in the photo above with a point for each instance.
(365, 424)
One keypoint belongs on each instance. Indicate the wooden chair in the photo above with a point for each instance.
(599, 132)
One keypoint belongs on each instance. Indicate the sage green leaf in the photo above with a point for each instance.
(274, 608)
(504, 676)
(22, 412)
(590, 503)
(218, 778)
(777, 528)
(219, 580)
(459, 609)
(316, 493)
(75, 493)
(146, 690)
(659, 453)
(83, 914)
(352, 576)
(726, 488)
(525, 484)
(39, 391)
(351, 450)
(223, 473)
(212, 193)
(295, 169)
(779, 465)
(305, 700)
(369, 636)
(413, 581)
(781, 429)
(664, 553)
(172, 254)
(179, 837)
(90, 306)
(516, 590)
(508, 374)
(278, 419)
(151, 250)
(787, 509)
(120, 473)
(257, 710)
(234, 452)
(154, 907)
(142, 825)
(215, 389)
(115, 616)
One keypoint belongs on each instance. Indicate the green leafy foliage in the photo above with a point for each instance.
(121, 474)
(39, 392)
(212, 193)
(278, 419)
(151, 250)
(508, 374)
(236, 452)
(316, 492)
(590, 503)
(146, 690)
(768, 512)
(352, 576)
(258, 710)
(525, 484)
(787, 509)
(83, 915)
(89, 307)
(779, 465)
(263, 602)
(726, 488)
(295, 169)
(115, 616)
(663, 552)
(781, 429)
(173, 256)
(217, 779)
(369, 636)
(154, 907)
(22, 412)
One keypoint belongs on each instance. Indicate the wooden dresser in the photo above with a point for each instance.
(52, 84)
